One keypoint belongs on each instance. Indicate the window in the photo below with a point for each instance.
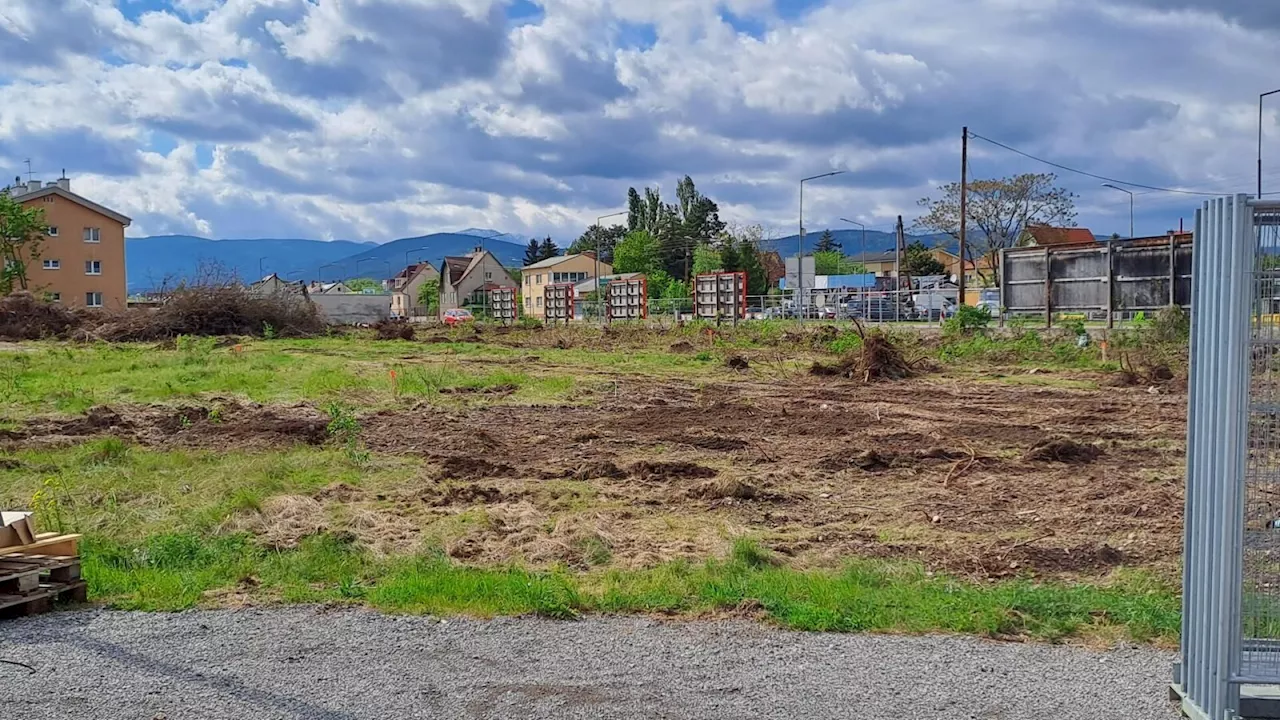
(48, 199)
(93, 299)
(526, 303)
(51, 231)
(53, 297)
(92, 235)
(538, 302)
(92, 267)
(488, 276)
(528, 280)
(52, 264)
(539, 278)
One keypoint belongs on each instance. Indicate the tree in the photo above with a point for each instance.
(918, 261)
(362, 283)
(826, 243)
(757, 279)
(532, 252)
(998, 212)
(599, 237)
(637, 253)
(22, 232)
(835, 262)
(429, 296)
(706, 259)
(548, 249)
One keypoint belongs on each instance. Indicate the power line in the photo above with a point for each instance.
(1085, 173)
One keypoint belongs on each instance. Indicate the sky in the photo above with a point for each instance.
(379, 119)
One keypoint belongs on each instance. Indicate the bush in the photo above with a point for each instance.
(967, 320)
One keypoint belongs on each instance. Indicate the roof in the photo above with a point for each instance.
(85, 202)
(1044, 235)
(456, 268)
(553, 261)
(588, 285)
(412, 271)
(887, 256)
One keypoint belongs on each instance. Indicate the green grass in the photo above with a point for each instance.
(179, 571)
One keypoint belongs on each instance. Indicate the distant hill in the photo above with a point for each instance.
(152, 261)
(384, 261)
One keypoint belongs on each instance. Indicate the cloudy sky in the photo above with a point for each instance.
(376, 119)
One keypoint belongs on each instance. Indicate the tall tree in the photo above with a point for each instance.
(706, 259)
(731, 256)
(638, 252)
(532, 252)
(693, 220)
(826, 243)
(836, 263)
(548, 249)
(757, 278)
(599, 237)
(998, 212)
(918, 261)
(22, 232)
(635, 210)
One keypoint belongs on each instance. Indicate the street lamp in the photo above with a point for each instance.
(866, 298)
(406, 254)
(261, 272)
(1130, 194)
(800, 243)
(1260, 97)
(320, 270)
(600, 231)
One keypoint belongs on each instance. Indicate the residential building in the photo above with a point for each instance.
(465, 279)
(329, 288)
(273, 284)
(80, 262)
(576, 268)
(406, 286)
(1046, 236)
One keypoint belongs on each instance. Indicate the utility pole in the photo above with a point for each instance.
(898, 247)
(964, 209)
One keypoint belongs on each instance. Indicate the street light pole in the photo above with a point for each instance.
(866, 300)
(600, 231)
(800, 244)
(1130, 194)
(1260, 97)
(260, 270)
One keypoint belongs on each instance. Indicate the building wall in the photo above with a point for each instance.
(352, 309)
(534, 281)
(489, 270)
(71, 251)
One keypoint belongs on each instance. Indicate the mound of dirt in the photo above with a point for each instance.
(650, 471)
(866, 460)
(24, 317)
(1063, 451)
(393, 330)
(466, 495)
(737, 362)
(464, 467)
(877, 359)
(715, 442)
(722, 488)
(594, 470)
(682, 347)
(497, 390)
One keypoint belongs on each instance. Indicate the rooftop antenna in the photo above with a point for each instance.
(29, 173)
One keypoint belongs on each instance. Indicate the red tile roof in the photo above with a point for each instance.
(1044, 235)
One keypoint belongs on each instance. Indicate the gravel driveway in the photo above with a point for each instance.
(342, 665)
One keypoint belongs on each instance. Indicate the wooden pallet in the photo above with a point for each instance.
(35, 576)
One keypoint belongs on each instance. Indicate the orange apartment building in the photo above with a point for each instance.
(81, 261)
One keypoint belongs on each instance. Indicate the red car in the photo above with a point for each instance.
(453, 317)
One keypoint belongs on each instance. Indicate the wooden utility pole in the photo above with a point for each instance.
(964, 209)
(899, 247)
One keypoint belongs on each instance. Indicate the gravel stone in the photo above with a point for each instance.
(307, 662)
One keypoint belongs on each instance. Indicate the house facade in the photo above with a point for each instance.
(407, 285)
(80, 262)
(466, 277)
(535, 278)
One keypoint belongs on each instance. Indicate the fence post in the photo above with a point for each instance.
(1173, 272)
(1111, 301)
(1048, 290)
(1004, 279)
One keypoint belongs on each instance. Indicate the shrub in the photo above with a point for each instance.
(967, 320)
(211, 310)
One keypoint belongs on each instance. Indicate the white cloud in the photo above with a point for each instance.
(383, 118)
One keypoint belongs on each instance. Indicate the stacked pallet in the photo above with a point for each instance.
(38, 574)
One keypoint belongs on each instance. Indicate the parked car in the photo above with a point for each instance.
(931, 307)
(875, 310)
(990, 299)
(827, 312)
(454, 317)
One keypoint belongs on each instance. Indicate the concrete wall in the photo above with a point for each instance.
(353, 309)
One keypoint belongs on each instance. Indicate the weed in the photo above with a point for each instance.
(967, 320)
(49, 501)
(529, 323)
(704, 356)
(107, 451)
(846, 343)
(268, 330)
(748, 553)
(344, 427)
(215, 414)
(194, 350)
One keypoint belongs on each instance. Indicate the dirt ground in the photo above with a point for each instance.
(974, 476)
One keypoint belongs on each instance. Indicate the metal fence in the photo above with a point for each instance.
(1231, 572)
(929, 306)
(1108, 279)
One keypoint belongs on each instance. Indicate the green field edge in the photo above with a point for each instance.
(184, 571)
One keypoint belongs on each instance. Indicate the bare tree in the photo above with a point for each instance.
(999, 212)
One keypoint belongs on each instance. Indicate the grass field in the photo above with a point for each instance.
(633, 470)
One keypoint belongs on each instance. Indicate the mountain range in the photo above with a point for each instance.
(152, 262)
(161, 260)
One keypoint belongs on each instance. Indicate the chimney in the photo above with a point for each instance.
(50, 184)
(33, 186)
(65, 183)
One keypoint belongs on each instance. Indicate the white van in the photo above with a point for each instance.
(931, 306)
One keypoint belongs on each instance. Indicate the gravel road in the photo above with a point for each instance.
(348, 664)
